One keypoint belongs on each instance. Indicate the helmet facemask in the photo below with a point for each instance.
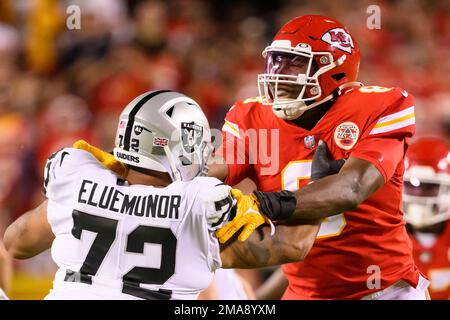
(273, 84)
(188, 165)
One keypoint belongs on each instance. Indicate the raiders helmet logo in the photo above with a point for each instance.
(346, 135)
(191, 136)
(339, 38)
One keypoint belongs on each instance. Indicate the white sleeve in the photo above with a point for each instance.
(214, 202)
(61, 172)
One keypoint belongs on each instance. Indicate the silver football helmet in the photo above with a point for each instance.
(164, 131)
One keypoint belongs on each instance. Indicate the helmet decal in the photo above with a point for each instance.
(158, 145)
(138, 129)
(133, 113)
(191, 136)
(340, 39)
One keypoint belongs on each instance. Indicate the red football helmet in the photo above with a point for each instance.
(312, 53)
(426, 190)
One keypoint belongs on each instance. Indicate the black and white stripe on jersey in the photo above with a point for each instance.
(228, 207)
(132, 115)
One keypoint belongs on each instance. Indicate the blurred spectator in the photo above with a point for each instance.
(66, 119)
(108, 98)
(43, 23)
(151, 23)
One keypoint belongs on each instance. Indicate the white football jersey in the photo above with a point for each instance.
(120, 241)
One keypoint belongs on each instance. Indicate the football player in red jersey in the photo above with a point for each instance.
(309, 93)
(426, 198)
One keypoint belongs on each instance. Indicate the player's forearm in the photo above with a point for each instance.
(326, 197)
(289, 244)
(30, 234)
(17, 238)
(14, 235)
(338, 193)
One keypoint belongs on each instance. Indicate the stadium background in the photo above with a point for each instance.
(59, 85)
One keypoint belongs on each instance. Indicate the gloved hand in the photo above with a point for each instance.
(104, 158)
(276, 205)
(248, 216)
(322, 165)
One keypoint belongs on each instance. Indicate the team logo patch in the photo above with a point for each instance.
(191, 136)
(346, 135)
(339, 38)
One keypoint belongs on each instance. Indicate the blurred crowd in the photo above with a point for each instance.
(59, 84)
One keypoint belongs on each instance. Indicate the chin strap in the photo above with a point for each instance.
(332, 65)
(336, 93)
(205, 158)
(176, 176)
(339, 90)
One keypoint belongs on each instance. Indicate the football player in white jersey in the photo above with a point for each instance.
(150, 236)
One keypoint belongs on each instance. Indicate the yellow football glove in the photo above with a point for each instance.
(248, 216)
(104, 158)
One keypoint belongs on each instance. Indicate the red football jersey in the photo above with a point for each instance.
(434, 262)
(372, 123)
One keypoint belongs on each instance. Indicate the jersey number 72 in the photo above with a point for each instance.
(106, 234)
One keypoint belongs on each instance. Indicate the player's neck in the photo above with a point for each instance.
(311, 117)
(153, 178)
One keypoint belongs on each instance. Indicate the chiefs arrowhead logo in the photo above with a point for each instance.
(346, 135)
(339, 38)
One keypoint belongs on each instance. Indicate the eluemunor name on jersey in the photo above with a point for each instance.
(113, 200)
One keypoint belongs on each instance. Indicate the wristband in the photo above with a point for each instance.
(277, 205)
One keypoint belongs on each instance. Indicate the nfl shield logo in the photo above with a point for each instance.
(191, 136)
(309, 142)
